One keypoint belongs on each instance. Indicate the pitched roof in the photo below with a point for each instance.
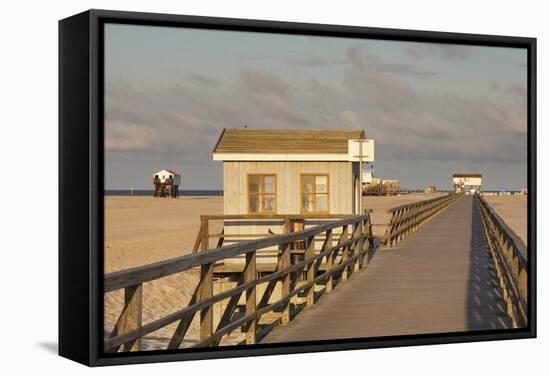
(175, 173)
(276, 141)
(476, 175)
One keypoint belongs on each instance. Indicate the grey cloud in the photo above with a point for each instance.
(204, 80)
(405, 69)
(439, 126)
(366, 80)
(444, 51)
(122, 136)
(181, 122)
(271, 96)
(313, 61)
(263, 83)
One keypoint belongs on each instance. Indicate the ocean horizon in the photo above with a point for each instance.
(149, 192)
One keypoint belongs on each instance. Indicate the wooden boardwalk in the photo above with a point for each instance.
(440, 279)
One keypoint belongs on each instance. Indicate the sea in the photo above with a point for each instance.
(149, 192)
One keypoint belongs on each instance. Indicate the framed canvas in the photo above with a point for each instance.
(234, 187)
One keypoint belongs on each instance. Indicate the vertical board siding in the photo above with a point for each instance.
(288, 195)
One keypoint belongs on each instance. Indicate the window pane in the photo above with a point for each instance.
(307, 203)
(321, 184)
(254, 204)
(254, 183)
(307, 183)
(269, 203)
(321, 203)
(269, 184)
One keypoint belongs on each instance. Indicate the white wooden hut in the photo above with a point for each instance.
(269, 172)
(164, 174)
(290, 171)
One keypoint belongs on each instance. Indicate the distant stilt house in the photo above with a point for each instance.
(160, 179)
(289, 172)
(467, 183)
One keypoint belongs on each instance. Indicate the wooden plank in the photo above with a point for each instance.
(345, 253)
(250, 277)
(133, 301)
(206, 291)
(285, 285)
(329, 260)
(309, 254)
(183, 325)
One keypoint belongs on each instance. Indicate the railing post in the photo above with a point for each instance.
(357, 245)
(285, 283)
(368, 242)
(205, 234)
(250, 276)
(327, 245)
(345, 253)
(133, 301)
(206, 291)
(310, 253)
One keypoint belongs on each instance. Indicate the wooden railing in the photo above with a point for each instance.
(205, 234)
(510, 257)
(347, 256)
(405, 219)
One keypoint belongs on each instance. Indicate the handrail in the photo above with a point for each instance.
(343, 259)
(509, 254)
(203, 235)
(406, 219)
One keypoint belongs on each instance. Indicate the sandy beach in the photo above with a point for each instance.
(143, 230)
(513, 210)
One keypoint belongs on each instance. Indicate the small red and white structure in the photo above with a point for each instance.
(165, 174)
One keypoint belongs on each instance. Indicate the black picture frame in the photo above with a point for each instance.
(81, 159)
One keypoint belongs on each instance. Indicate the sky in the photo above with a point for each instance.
(432, 109)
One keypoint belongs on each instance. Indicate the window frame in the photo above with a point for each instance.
(314, 193)
(261, 194)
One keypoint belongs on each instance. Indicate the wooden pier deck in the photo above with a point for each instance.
(440, 279)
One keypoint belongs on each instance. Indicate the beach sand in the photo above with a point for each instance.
(143, 230)
(513, 210)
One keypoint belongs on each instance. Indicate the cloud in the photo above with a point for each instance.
(178, 124)
(313, 61)
(121, 136)
(271, 96)
(444, 51)
(366, 80)
(205, 81)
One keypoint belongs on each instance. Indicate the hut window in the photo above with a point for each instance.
(314, 191)
(262, 192)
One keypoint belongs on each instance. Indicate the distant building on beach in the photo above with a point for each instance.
(430, 189)
(291, 171)
(165, 174)
(162, 188)
(467, 183)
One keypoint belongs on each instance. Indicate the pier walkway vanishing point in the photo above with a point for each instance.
(448, 264)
